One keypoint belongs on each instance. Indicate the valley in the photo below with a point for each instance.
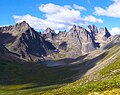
(78, 62)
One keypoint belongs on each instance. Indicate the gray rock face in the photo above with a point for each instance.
(94, 31)
(25, 41)
(76, 42)
(49, 34)
(6, 55)
(29, 44)
(113, 40)
(100, 37)
(81, 37)
(103, 32)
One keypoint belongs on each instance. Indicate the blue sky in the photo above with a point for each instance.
(62, 14)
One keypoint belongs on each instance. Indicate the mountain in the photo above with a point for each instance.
(3, 50)
(6, 55)
(79, 62)
(95, 73)
(98, 73)
(100, 37)
(30, 45)
(25, 41)
(78, 41)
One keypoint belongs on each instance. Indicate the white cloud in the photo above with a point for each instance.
(91, 18)
(60, 14)
(38, 23)
(113, 10)
(115, 30)
(57, 17)
(77, 7)
(50, 8)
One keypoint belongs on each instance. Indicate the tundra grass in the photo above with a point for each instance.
(37, 79)
(16, 78)
(100, 85)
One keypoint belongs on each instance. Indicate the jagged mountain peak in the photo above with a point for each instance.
(107, 34)
(76, 28)
(104, 32)
(17, 29)
(22, 24)
(73, 28)
(23, 40)
(93, 29)
(17, 25)
(27, 42)
(48, 34)
(92, 26)
(48, 30)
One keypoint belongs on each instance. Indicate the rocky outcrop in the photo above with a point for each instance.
(6, 55)
(75, 42)
(82, 39)
(113, 40)
(100, 37)
(49, 34)
(93, 30)
(25, 41)
(78, 39)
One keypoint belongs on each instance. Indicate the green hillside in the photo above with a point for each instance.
(106, 80)
(31, 76)
(103, 82)
(38, 79)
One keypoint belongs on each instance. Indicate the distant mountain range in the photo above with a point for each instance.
(25, 43)
(74, 62)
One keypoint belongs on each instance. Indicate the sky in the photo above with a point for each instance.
(62, 14)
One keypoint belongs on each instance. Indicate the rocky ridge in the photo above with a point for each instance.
(78, 40)
(31, 45)
(25, 41)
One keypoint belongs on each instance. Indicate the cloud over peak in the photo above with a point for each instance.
(58, 17)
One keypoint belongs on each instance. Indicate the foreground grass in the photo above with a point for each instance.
(106, 80)
(107, 92)
(37, 79)
(85, 89)
(24, 89)
(97, 85)
(27, 78)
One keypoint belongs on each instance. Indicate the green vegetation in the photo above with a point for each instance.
(103, 81)
(31, 77)
(112, 51)
(112, 69)
(38, 79)
(91, 86)
(107, 92)
(99, 83)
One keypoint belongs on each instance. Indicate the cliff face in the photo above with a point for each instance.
(101, 36)
(25, 41)
(82, 38)
(78, 40)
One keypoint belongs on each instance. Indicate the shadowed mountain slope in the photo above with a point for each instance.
(96, 72)
(25, 41)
